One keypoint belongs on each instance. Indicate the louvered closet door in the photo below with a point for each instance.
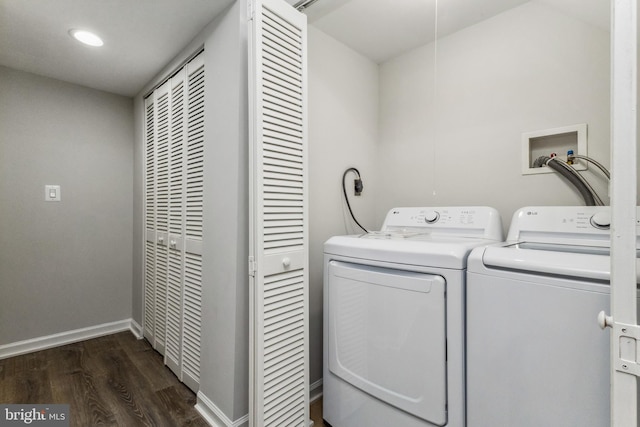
(174, 167)
(194, 174)
(279, 242)
(162, 125)
(150, 221)
(175, 267)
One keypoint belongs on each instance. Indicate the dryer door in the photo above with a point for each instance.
(387, 336)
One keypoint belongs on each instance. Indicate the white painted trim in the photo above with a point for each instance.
(315, 391)
(136, 329)
(623, 213)
(214, 416)
(68, 337)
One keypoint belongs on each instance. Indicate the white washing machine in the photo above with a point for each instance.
(535, 354)
(394, 318)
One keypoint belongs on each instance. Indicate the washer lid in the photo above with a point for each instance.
(426, 250)
(561, 260)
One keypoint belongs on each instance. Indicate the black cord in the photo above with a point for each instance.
(346, 198)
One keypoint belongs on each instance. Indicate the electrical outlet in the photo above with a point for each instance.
(357, 186)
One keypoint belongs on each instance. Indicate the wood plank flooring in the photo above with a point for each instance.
(114, 380)
(316, 414)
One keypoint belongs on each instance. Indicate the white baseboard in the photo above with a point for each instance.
(315, 391)
(63, 338)
(214, 416)
(136, 329)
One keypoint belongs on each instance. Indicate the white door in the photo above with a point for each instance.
(174, 191)
(150, 221)
(278, 264)
(162, 213)
(194, 195)
(172, 357)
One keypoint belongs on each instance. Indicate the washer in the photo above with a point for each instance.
(394, 318)
(535, 354)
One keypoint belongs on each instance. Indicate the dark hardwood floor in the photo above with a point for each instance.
(316, 413)
(114, 380)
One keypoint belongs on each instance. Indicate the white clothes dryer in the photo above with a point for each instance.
(394, 318)
(535, 353)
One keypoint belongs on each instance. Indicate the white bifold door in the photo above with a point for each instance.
(278, 264)
(174, 166)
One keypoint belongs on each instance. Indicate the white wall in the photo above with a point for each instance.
(225, 297)
(343, 122)
(63, 265)
(457, 141)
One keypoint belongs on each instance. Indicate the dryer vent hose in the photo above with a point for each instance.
(554, 164)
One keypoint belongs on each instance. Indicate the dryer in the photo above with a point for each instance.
(394, 318)
(535, 354)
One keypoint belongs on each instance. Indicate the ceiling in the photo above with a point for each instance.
(383, 29)
(142, 36)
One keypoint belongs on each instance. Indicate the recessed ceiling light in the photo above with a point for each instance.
(86, 37)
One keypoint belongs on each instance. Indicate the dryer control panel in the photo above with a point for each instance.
(465, 221)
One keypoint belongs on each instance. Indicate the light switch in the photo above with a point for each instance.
(52, 193)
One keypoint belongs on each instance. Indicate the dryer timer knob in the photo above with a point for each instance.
(431, 217)
(601, 220)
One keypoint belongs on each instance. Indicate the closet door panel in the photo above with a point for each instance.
(194, 195)
(174, 192)
(162, 126)
(279, 236)
(149, 219)
(173, 357)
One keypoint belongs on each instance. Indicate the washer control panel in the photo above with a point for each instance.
(563, 224)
